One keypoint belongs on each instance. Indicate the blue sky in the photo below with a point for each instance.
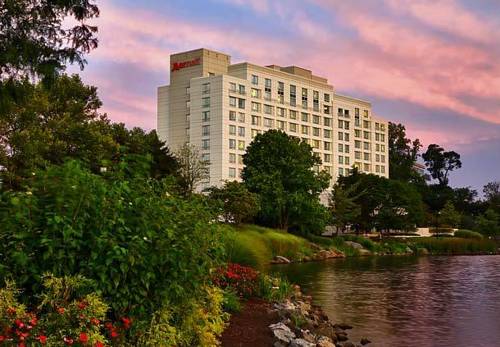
(431, 65)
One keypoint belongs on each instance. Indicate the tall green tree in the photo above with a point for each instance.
(237, 203)
(403, 154)
(280, 169)
(192, 169)
(492, 195)
(343, 206)
(489, 223)
(449, 216)
(440, 163)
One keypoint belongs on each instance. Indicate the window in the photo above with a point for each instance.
(304, 97)
(305, 130)
(377, 158)
(255, 107)
(382, 169)
(255, 120)
(316, 131)
(205, 157)
(205, 102)
(240, 159)
(357, 144)
(340, 112)
(377, 126)
(346, 125)
(232, 130)
(326, 109)
(341, 159)
(382, 148)
(346, 136)
(205, 130)
(205, 116)
(357, 155)
(241, 145)
(232, 101)
(316, 119)
(232, 115)
(366, 124)
(346, 113)
(327, 133)
(341, 171)
(341, 136)
(232, 172)
(315, 144)
(293, 127)
(382, 158)
(326, 97)
(341, 148)
(232, 143)
(327, 146)
(241, 131)
(293, 114)
(205, 144)
(377, 168)
(366, 146)
(366, 156)
(357, 133)
(268, 109)
(356, 112)
(327, 122)
(365, 113)
(241, 89)
(366, 167)
(268, 122)
(346, 148)
(316, 100)
(281, 92)
(341, 124)
(293, 95)
(232, 86)
(241, 103)
(255, 132)
(327, 158)
(382, 137)
(205, 88)
(281, 125)
(267, 89)
(377, 137)
(255, 79)
(377, 147)
(255, 93)
(280, 111)
(346, 160)
(305, 117)
(366, 135)
(241, 117)
(232, 158)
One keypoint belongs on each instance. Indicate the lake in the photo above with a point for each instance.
(408, 301)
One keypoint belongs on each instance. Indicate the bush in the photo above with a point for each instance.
(141, 246)
(438, 231)
(274, 288)
(468, 234)
(241, 279)
(452, 246)
(231, 301)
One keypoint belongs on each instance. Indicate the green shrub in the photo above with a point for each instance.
(274, 288)
(451, 245)
(140, 245)
(468, 234)
(437, 231)
(231, 301)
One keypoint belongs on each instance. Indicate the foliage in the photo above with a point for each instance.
(448, 216)
(468, 234)
(489, 223)
(273, 287)
(403, 154)
(231, 302)
(69, 314)
(279, 169)
(242, 279)
(492, 195)
(192, 169)
(440, 163)
(256, 246)
(343, 206)
(454, 245)
(238, 204)
(141, 245)
(38, 37)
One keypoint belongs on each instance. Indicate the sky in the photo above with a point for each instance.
(432, 65)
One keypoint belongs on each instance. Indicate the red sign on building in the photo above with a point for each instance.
(183, 64)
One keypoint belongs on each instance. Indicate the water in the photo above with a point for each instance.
(408, 301)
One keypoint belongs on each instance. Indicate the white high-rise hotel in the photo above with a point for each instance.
(220, 107)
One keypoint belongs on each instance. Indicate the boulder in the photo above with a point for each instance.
(354, 245)
(324, 341)
(302, 343)
(408, 250)
(280, 344)
(282, 332)
(343, 326)
(363, 252)
(423, 251)
(365, 341)
(348, 344)
(280, 260)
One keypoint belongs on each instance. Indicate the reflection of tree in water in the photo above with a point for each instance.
(406, 300)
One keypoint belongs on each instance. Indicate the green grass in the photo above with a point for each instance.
(468, 234)
(256, 246)
(454, 245)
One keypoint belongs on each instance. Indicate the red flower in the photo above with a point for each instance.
(19, 323)
(108, 325)
(99, 344)
(84, 338)
(95, 321)
(60, 310)
(114, 334)
(42, 339)
(21, 344)
(2, 338)
(11, 310)
(126, 322)
(82, 305)
(68, 340)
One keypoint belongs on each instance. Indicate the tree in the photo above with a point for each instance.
(238, 204)
(280, 169)
(403, 154)
(489, 223)
(448, 216)
(492, 195)
(38, 37)
(343, 206)
(440, 163)
(192, 170)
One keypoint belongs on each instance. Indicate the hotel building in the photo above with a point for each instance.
(220, 107)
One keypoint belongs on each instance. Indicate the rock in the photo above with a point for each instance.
(408, 250)
(365, 341)
(308, 336)
(280, 344)
(422, 251)
(341, 336)
(364, 252)
(327, 254)
(304, 307)
(306, 258)
(282, 332)
(354, 244)
(280, 260)
(301, 343)
(348, 344)
(324, 341)
(343, 326)
(326, 330)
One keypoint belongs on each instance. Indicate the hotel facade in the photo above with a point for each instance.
(220, 107)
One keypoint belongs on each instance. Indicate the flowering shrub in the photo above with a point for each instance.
(64, 317)
(242, 279)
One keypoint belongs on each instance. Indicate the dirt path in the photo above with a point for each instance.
(250, 327)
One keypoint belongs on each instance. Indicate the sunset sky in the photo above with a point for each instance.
(431, 65)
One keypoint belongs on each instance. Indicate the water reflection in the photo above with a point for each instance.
(409, 301)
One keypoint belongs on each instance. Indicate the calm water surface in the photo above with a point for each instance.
(409, 301)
